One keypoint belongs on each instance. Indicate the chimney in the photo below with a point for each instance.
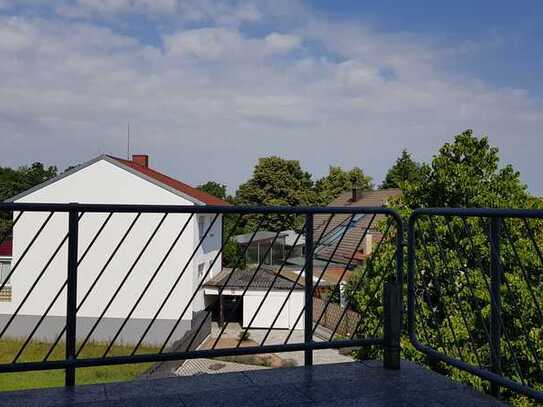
(141, 159)
(357, 193)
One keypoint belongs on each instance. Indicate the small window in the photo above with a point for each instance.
(5, 268)
(5, 292)
(201, 225)
(201, 267)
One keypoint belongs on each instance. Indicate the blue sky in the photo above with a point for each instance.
(210, 86)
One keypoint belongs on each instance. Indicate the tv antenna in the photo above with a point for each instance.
(128, 142)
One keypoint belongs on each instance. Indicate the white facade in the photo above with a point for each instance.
(104, 182)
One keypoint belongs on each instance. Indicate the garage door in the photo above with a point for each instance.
(267, 312)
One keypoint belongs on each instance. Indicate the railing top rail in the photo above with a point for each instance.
(301, 210)
(478, 212)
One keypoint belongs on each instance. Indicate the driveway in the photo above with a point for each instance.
(278, 336)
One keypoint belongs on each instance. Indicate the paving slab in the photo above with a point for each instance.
(342, 384)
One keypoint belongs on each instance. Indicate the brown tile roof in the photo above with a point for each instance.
(352, 237)
(240, 279)
(173, 183)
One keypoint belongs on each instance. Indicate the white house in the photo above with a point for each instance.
(111, 180)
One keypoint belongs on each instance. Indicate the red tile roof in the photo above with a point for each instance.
(6, 248)
(173, 183)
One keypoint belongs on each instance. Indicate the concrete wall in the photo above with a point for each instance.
(103, 182)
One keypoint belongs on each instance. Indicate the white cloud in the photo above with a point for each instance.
(214, 98)
(283, 42)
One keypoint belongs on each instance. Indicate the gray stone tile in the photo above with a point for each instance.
(351, 384)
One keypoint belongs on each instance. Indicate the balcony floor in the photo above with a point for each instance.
(342, 384)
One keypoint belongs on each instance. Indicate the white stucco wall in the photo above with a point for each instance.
(270, 308)
(103, 182)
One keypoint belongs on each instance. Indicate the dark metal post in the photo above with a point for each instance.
(308, 333)
(495, 301)
(71, 300)
(392, 302)
(221, 310)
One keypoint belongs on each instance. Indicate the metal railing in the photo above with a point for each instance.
(475, 294)
(124, 261)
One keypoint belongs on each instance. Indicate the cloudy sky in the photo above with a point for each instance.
(210, 86)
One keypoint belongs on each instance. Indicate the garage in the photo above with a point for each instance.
(253, 298)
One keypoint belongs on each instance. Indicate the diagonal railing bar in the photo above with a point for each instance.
(481, 319)
(34, 284)
(121, 285)
(359, 284)
(340, 280)
(427, 296)
(523, 270)
(359, 326)
(201, 283)
(532, 238)
(316, 285)
(463, 258)
(25, 251)
(294, 285)
(257, 269)
(439, 286)
(504, 278)
(208, 309)
(516, 311)
(98, 277)
(451, 289)
(172, 288)
(275, 278)
(341, 224)
(142, 294)
(59, 292)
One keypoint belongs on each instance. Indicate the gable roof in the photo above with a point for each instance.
(260, 279)
(200, 196)
(194, 195)
(355, 230)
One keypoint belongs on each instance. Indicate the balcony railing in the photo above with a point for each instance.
(129, 273)
(157, 275)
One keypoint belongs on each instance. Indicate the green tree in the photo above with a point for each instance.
(277, 182)
(453, 262)
(337, 181)
(404, 170)
(214, 188)
(14, 181)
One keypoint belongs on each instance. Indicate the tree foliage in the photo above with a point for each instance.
(277, 182)
(404, 171)
(14, 181)
(339, 180)
(214, 188)
(453, 263)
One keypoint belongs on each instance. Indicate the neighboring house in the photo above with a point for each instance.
(259, 250)
(5, 267)
(111, 180)
(244, 300)
(349, 252)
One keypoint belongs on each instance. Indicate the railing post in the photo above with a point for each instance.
(392, 325)
(71, 296)
(308, 330)
(495, 301)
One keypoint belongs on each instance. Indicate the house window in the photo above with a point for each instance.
(201, 267)
(201, 225)
(5, 292)
(5, 268)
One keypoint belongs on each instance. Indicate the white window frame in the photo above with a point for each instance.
(5, 260)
